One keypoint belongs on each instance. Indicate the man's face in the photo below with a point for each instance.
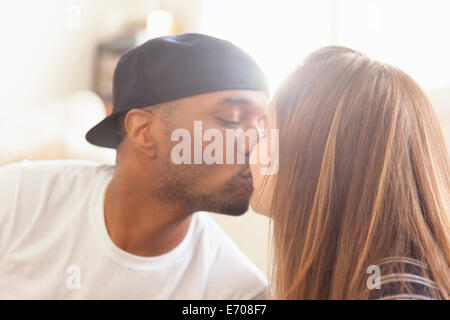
(222, 188)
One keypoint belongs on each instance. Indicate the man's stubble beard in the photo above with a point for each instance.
(178, 187)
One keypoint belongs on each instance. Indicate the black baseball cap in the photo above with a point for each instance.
(174, 67)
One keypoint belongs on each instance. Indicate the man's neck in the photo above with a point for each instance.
(140, 224)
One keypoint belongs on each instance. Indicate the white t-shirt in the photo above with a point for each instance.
(54, 244)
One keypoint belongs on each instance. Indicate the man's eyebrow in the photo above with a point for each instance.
(235, 101)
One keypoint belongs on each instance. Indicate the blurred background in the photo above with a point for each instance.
(58, 57)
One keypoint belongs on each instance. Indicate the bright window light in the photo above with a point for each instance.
(411, 34)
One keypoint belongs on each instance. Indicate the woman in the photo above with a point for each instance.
(363, 184)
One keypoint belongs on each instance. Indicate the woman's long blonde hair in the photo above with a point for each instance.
(364, 175)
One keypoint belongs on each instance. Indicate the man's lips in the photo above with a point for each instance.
(247, 176)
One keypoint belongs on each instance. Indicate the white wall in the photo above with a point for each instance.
(440, 98)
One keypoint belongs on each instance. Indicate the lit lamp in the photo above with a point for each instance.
(159, 23)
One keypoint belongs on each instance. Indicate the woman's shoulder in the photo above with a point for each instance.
(403, 278)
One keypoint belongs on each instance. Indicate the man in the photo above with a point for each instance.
(79, 230)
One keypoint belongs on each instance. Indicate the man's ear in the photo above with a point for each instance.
(139, 126)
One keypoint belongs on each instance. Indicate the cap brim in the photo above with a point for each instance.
(103, 134)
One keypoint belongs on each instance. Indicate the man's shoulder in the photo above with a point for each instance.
(27, 185)
(37, 194)
(229, 267)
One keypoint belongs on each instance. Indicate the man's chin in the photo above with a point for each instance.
(233, 208)
(232, 200)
